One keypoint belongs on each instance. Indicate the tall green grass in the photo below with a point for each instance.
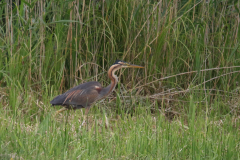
(183, 105)
(137, 136)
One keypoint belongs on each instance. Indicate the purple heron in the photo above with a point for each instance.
(84, 95)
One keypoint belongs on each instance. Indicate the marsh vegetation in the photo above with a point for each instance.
(183, 105)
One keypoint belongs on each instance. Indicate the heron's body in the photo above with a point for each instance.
(78, 96)
(84, 95)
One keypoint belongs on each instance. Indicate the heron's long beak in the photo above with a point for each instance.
(134, 66)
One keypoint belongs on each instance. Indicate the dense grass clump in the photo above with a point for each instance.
(183, 105)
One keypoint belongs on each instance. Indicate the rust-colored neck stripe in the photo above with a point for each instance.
(111, 76)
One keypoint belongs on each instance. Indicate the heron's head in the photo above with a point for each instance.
(123, 64)
(118, 65)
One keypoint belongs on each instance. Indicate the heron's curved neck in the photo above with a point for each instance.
(114, 80)
(113, 77)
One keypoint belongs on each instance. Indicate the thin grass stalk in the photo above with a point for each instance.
(96, 38)
(30, 48)
(75, 11)
(42, 41)
(7, 23)
(70, 41)
(104, 33)
(11, 36)
(19, 23)
(147, 36)
(87, 35)
(78, 42)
